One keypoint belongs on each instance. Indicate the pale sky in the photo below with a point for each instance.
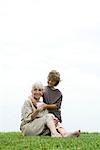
(38, 36)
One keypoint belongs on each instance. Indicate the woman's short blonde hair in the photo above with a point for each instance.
(37, 85)
(55, 76)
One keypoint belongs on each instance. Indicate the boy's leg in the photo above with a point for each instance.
(64, 133)
(75, 133)
(60, 129)
(51, 126)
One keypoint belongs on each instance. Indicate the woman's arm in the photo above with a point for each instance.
(35, 113)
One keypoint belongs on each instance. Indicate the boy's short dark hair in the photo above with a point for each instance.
(55, 76)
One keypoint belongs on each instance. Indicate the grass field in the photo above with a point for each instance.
(15, 141)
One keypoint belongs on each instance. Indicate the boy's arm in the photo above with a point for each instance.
(57, 105)
(50, 106)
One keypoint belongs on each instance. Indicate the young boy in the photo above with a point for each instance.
(53, 98)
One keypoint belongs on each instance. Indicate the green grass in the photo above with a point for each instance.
(15, 141)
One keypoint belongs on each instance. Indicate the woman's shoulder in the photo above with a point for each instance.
(27, 101)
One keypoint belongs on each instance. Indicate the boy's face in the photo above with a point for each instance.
(37, 93)
(51, 82)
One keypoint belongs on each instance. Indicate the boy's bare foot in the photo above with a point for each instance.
(56, 135)
(75, 133)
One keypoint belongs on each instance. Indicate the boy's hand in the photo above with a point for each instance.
(44, 106)
(39, 109)
(56, 120)
(33, 100)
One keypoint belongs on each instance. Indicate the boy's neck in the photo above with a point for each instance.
(53, 88)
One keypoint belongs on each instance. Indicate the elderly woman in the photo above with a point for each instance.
(35, 118)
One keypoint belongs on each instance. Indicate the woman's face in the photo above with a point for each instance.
(37, 93)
